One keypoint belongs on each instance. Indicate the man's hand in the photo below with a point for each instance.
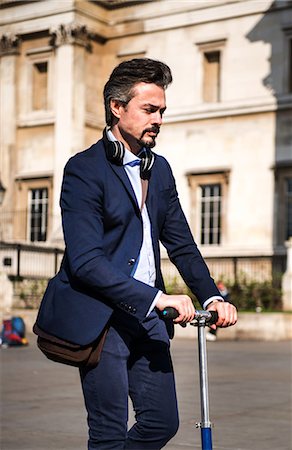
(182, 303)
(227, 314)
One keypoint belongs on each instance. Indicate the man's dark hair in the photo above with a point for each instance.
(127, 74)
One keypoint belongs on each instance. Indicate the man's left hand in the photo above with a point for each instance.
(227, 314)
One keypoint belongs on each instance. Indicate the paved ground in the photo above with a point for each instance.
(250, 397)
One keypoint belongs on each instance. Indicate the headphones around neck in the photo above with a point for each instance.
(115, 151)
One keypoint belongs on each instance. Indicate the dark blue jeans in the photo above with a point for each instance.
(135, 362)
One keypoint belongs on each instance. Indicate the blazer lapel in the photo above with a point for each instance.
(121, 173)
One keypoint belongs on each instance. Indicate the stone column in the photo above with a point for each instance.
(9, 50)
(71, 42)
(287, 279)
(6, 296)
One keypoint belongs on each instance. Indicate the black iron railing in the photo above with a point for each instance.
(35, 261)
(29, 261)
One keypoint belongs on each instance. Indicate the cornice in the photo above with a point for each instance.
(36, 119)
(130, 20)
(227, 109)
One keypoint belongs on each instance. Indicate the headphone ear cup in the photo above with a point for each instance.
(115, 150)
(147, 161)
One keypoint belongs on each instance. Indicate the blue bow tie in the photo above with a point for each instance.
(136, 162)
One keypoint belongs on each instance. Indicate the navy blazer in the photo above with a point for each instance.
(103, 231)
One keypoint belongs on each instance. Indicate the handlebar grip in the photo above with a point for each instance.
(170, 313)
(213, 319)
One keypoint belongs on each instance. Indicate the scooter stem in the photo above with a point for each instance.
(205, 417)
(205, 424)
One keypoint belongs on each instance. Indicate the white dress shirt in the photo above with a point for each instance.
(144, 270)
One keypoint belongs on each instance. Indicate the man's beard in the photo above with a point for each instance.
(148, 144)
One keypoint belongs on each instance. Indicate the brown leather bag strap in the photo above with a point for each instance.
(144, 184)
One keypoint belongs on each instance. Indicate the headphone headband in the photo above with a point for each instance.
(115, 152)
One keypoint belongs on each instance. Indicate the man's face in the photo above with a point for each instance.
(139, 121)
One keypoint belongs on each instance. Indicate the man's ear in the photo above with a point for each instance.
(116, 106)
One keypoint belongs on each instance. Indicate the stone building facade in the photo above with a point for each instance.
(227, 130)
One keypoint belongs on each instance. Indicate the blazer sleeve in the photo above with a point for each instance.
(82, 218)
(182, 249)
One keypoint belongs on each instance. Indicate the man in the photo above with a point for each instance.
(111, 275)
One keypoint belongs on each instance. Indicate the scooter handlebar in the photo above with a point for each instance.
(170, 313)
(210, 317)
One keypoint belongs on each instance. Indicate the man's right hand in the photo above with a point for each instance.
(182, 303)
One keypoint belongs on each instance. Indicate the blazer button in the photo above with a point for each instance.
(131, 261)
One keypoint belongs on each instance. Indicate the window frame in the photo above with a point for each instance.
(213, 94)
(21, 230)
(283, 172)
(287, 62)
(36, 66)
(32, 57)
(209, 47)
(210, 214)
(209, 177)
(31, 215)
(289, 208)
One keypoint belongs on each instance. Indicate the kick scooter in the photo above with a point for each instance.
(201, 319)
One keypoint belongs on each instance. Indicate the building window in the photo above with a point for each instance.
(283, 201)
(210, 214)
(288, 207)
(40, 85)
(287, 60)
(33, 206)
(38, 214)
(209, 198)
(36, 85)
(290, 65)
(212, 54)
(211, 76)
